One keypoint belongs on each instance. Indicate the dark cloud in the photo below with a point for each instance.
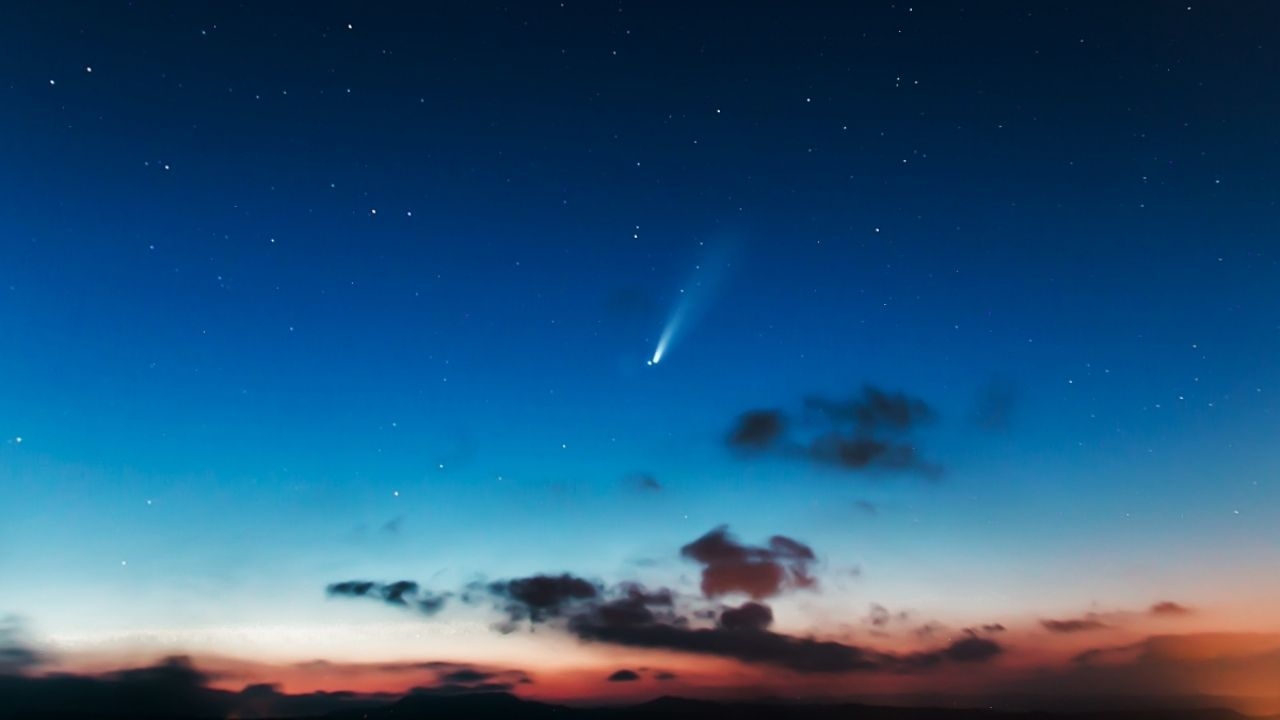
(353, 588)
(874, 411)
(972, 650)
(757, 430)
(633, 604)
(395, 592)
(992, 628)
(751, 646)
(1168, 608)
(665, 675)
(402, 593)
(760, 572)
(748, 616)
(857, 453)
(452, 674)
(867, 432)
(16, 655)
(867, 507)
(929, 630)
(540, 597)
(430, 604)
(643, 619)
(879, 615)
(1074, 625)
(969, 649)
(466, 675)
(448, 690)
(624, 676)
(631, 615)
(16, 658)
(759, 646)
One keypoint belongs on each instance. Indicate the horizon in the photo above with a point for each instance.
(595, 352)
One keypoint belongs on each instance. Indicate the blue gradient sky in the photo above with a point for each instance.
(270, 284)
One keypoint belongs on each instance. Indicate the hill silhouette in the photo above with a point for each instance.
(483, 706)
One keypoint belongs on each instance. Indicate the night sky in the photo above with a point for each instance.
(966, 319)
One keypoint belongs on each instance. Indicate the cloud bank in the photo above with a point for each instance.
(873, 430)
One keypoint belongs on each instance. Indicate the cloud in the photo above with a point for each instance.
(972, 650)
(1103, 621)
(760, 572)
(623, 676)
(756, 645)
(879, 615)
(1074, 625)
(748, 616)
(353, 588)
(476, 680)
(431, 604)
(540, 597)
(873, 411)
(867, 507)
(750, 646)
(402, 593)
(929, 630)
(867, 432)
(631, 615)
(757, 430)
(16, 658)
(634, 604)
(856, 453)
(664, 675)
(1168, 608)
(466, 675)
(16, 655)
(446, 674)
(395, 592)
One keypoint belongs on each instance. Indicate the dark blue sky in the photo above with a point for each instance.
(291, 293)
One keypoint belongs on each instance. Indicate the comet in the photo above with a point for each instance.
(693, 301)
(669, 332)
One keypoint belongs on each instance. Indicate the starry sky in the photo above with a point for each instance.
(327, 337)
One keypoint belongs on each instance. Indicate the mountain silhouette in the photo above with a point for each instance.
(483, 706)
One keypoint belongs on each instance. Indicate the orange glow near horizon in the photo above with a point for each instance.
(1233, 664)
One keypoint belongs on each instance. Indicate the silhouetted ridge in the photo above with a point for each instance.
(428, 704)
(482, 706)
(63, 698)
(673, 704)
